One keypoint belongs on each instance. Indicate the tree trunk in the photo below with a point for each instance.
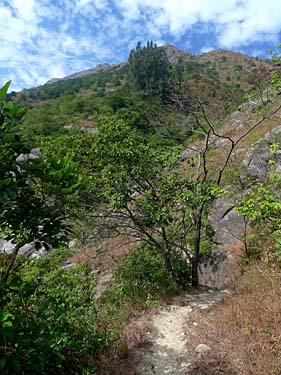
(196, 254)
(169, 268)
(166, 255)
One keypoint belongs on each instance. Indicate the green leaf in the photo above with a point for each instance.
(4, 90)
(5, 319)
(8, 324)
(4, 316)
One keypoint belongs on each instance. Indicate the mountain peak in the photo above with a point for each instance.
(174, 54)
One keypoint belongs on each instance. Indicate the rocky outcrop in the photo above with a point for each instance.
(258, 157)
(228, 225)
(86, 129)
(34, 154)
(222, 264)
(174, 54)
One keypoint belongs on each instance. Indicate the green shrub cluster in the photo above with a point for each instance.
(49, 319)
(144, 272)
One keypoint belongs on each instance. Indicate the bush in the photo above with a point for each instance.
(49, 319)
(144, 272)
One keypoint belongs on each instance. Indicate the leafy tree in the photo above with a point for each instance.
(149, 69)
(145, 196)
(40, 302)
(35, 193)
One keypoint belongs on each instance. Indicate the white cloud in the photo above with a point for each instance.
(253, 20)
(32, 52)
(25, 10)
(41, 39)
(238, 22)
(206, 49)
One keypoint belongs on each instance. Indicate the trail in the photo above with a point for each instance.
(166, 352)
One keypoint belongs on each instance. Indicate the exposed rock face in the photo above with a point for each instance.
(174, 54)
(221, 266)
(223, 263)
(6, 247)
(227, 224)
(86, 129)
(257, 159)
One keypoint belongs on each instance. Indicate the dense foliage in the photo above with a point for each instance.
(149, 69)
(36, 195)
(36, 191)
(49, 324)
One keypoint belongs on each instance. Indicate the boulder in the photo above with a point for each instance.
(223, 263)
(202, 348)
(6, 247)
(221, 266)
(86, 129)
(184, 155)
(29, 250)
(228, 225)
(34, 154)
(258, 157)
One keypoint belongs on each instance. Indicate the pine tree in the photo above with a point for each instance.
(149, 69)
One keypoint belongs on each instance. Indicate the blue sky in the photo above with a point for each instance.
(44, 39)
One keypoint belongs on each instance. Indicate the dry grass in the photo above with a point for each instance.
(105, 254)
(244, 331)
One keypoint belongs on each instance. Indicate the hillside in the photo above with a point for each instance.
(222, 79)
(219, 64)
(143, 188)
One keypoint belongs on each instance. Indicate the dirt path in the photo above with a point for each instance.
(166, 352)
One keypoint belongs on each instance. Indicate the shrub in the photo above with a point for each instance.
(49, 319)
(144, 272)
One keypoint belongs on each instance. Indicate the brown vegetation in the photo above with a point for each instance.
(244, 331)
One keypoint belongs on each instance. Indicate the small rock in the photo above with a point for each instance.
(74, 244)
(68, 265)
(202, 348)
(186, 364)
(204, 306)
(184, 155)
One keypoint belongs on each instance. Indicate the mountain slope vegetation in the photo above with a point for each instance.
(220, 77)
(129, 161)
